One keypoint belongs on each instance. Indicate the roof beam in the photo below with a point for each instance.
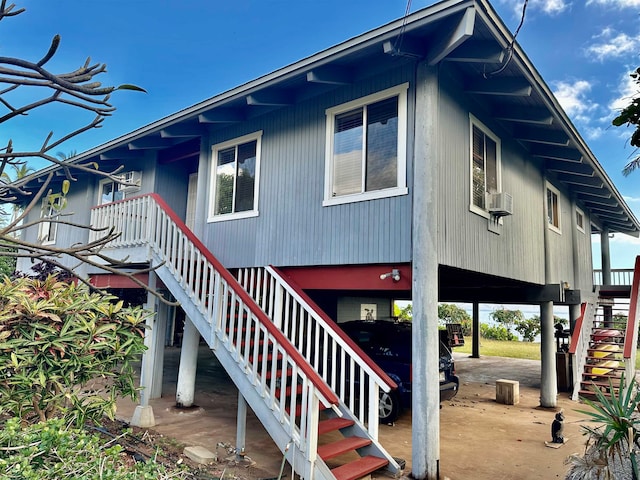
(404, 46)
(524, 115)
(121, 154)
(608, 210)
(222, 115)
(513, 87)
(477, 52)
(575, 168)
(150, 143)
(456, 37)
(593, 182)
(330, 75)
(270, 99)
(541, 135)
(588, 201)
(563, 154)
(182, 130)
(582, 190)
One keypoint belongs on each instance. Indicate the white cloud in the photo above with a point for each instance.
(616, 3)
(627, 89)
(610, 44)
(550, 7)
(574, 98)
(629, 199)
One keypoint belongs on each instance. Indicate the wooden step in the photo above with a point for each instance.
(344, 445)
(591, 393)
(334, 424)
(359, 468)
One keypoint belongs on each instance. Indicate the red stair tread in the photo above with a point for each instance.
(359, 468)
(333, 424)
(344, 445)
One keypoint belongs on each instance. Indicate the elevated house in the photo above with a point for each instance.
(426, 160)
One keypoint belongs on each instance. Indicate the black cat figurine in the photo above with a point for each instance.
(557, 428)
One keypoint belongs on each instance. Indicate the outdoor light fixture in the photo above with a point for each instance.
(394, 274)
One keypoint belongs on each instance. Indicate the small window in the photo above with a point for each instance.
(485, 166)
(109, 191)
(366, 148)
(580, 220)
(234, 180)
(553, 209)
(52, 205)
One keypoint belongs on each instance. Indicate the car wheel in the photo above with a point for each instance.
(388, 407)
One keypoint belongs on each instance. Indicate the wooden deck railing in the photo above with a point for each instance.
(619, 277)
(354, 377)
(233, 318)
(631, 335)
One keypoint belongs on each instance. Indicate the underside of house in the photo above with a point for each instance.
(491, 196)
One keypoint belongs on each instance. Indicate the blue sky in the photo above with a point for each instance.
(184, 52)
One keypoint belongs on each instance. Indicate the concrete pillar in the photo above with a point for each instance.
(241, 427)
(143, 414)
(548, 381)
(574, 314)
(425, 453)
(475, 347)
(159, 340)
(185, 390)
(605, 255)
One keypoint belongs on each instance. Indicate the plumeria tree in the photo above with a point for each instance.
(630, 116)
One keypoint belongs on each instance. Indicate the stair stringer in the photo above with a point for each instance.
(580, 355)
(317, 470)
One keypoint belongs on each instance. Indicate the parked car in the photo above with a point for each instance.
(388, 343)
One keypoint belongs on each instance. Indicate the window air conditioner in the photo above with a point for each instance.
(500, 204)
(132, 181)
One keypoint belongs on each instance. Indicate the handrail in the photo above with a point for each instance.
(619, 277)
(577, 330)
(326, 320)
(632, 328)
(329, 397)
(339, 360)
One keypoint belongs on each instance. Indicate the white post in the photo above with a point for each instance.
(159, 337)
(548, 380)
(143, 414)
(185, 390)
(241, 427)
(425, 452)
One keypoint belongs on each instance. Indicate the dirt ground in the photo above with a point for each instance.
(479, 438)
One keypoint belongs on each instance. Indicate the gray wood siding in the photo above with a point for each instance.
(464, 239)
(560, 245)
(293, 227)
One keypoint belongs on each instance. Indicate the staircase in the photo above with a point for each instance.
(287, 371)
(610, 347)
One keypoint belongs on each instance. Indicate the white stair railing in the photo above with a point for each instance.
(580, 344)
(350, 373)
(229, 316)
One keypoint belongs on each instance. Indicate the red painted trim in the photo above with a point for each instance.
(339, 332)
(577, 330)
(311, 374)
(351, 277)
(633, 314)
(117, 281)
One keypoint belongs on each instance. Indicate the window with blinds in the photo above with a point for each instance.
(235, 182)
(553, 208)
(366, 147)
(485, 165)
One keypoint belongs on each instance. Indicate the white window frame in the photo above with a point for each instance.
(212, 217)
(103, 182)
(399, 91)
(48, 231)
(554, 228)
(580, 213)
(474, 122)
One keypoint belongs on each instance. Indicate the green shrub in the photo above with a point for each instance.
(498, 332)
(65, 351)
(52, 451)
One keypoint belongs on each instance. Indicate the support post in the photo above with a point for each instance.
(574, 314)
(425, 453)
(143, 414)
(186, 387)
(475, 347)
(159, 337)
(548, 381)
(241, 427)
(605, 253)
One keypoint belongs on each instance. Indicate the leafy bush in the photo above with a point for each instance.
(450, 313)
(529, 328)
(508, 318)
(496, 333)
(51, 451)
(65, 351)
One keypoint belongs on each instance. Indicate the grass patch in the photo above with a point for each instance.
(504, 348)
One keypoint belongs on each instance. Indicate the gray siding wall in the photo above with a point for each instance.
(293, 227)
(464, 240)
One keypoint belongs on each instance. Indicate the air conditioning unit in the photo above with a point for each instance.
(132, 181)
(500, 204)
